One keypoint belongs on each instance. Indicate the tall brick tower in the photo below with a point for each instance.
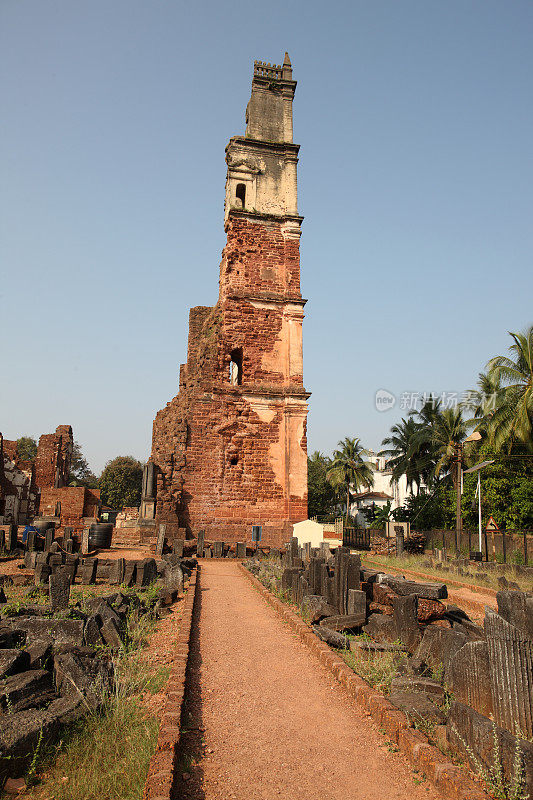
(230, 451)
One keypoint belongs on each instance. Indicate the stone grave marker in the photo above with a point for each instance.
(218, 549)
(146, 572)
(2, 540)
(69, 546)
(11, 538)
(160, 544)
(85, 542)
(406, 620)
(48, 538)
(177, 547)
(88, 571)
(130, 573)
(356, 603)
(470, 670)
(510, 659)
(59, 590)
(30, 541)
(116, 573)
(42, 573)
(240, 550)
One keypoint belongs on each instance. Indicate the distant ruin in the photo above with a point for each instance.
(230, 450)
(39, 487)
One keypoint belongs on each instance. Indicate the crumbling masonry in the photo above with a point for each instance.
(230, 451)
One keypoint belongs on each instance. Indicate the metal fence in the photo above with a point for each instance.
(510, 546)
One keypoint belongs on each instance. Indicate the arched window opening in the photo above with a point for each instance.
(235, 367)
(234, 461)
(240, 194)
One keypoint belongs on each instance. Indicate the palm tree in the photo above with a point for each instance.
(512, 420)
(403, 455)
(348, 470)
(441, 438)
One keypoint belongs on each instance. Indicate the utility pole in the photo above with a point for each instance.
(458, 517)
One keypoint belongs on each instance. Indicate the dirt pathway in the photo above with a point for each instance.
(265, 720)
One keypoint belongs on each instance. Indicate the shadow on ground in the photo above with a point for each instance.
(188, 784)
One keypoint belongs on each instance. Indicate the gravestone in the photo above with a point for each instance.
(70, 568)
(2, 540)
(116, 573)
(438, 647)
(88, 571)
(130, 573)
(510, 659)
(59, 590)
(406, 620)
(218, 549)
(30, 557)
(48, 538)
(160, 544)
(54, 547)
(30, 541)
(42, 573)
(356, 602)
(399, 540)
(69, 546)
(11, 538)
(208, 552)
(146, 572)
(177, 547)
(85, 542)
(67, 534)
(200, 544)
(240, 551)
(517, 609)
(55, 560)
(470, 672)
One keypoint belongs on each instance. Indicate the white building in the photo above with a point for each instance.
(385, 489)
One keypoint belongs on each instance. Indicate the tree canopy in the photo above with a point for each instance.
(26, 448)
(121, 482)
(80, 472)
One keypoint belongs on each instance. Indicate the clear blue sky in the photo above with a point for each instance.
(415, 180)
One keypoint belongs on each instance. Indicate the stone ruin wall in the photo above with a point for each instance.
(22, 482)
(210, 424)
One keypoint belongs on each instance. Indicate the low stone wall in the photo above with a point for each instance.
(161, 772)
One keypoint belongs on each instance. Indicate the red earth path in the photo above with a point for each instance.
(264, 720)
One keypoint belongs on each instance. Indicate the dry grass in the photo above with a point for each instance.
(417, 563)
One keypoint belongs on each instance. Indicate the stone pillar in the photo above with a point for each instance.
(511, 674)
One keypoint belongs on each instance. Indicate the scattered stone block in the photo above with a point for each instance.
(160, 542)
(40, 653)
(62, 631)
(83, 677)
(111, 634)
(177, 547)
(405, 609)
(130, 573)
(428, 591)
(414, 683)
(13, 661)
(470, 670)
(468, 727)
(146, 572)
(316, 608)
(42, 573)
(438, 647)
(381, 628)
(33, 688)
(332, 638)
(116, 573)
(429, 610)
(510, 653)
(59, 590)
(92, 635)
(517, 609)
(88, 571)
(418, 707)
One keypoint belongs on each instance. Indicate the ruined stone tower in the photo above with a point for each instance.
(229, 451)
